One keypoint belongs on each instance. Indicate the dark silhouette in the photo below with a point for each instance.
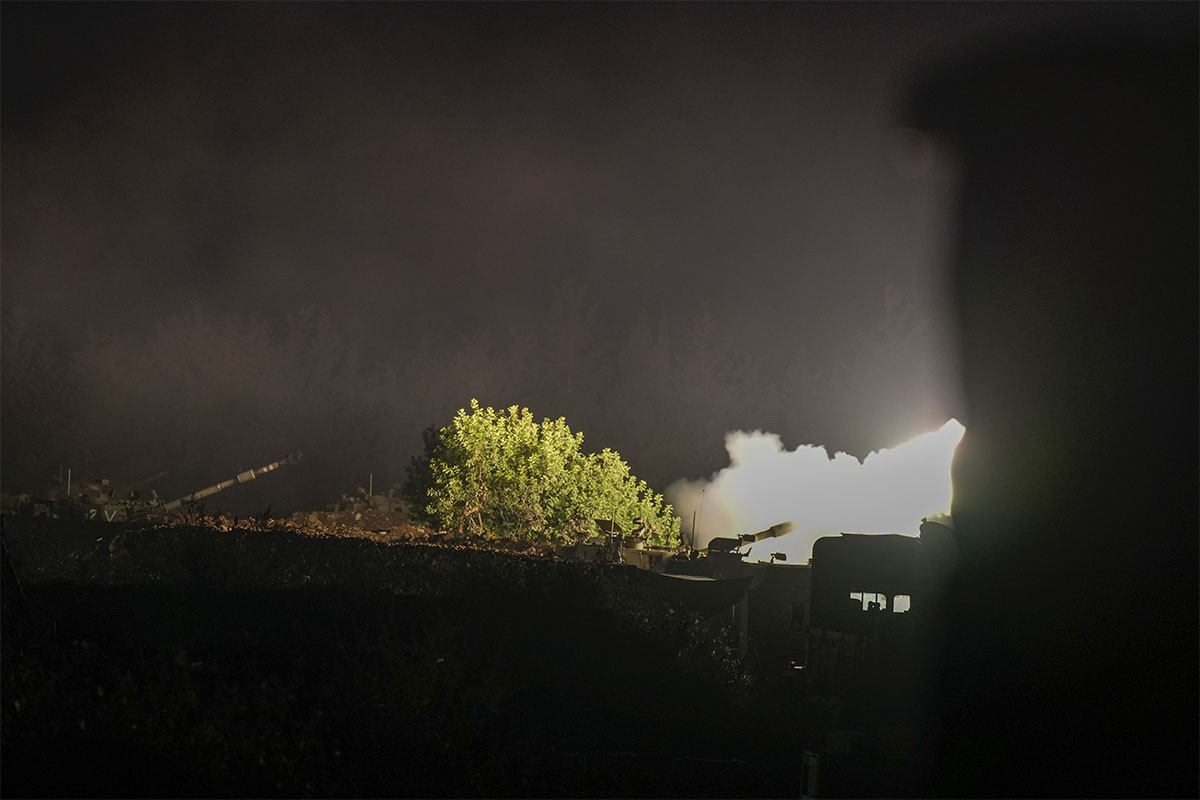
(1071, 627)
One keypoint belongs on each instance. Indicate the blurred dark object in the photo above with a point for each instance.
(1071, 626)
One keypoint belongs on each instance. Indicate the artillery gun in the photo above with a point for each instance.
(367, 500)
(724, 556)
(98, 501)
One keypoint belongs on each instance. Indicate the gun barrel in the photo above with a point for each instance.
(778, 529)
(241, 477)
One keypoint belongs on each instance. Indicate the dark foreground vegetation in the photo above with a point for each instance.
(191, 662)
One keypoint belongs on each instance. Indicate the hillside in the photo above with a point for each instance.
(315, 658)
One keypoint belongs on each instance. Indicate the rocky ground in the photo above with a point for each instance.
(329, 655)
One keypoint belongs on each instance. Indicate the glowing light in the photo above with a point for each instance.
(889, 491)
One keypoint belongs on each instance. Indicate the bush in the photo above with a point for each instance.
(500, 474)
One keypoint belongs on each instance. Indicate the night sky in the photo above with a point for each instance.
(663, 221)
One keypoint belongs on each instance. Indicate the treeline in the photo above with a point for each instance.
(205, 396)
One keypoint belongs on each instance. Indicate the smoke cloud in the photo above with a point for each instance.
(889, 491)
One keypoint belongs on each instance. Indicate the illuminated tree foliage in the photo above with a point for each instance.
(498, 473)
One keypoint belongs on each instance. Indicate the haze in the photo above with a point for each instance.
(231, 231)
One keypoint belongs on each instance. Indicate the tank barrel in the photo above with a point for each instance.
(241, 477)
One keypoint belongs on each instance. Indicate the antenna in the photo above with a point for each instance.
(702, 491)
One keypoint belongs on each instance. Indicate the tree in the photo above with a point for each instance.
(499, 473)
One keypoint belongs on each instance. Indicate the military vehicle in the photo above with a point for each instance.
(612, 545)
(97, 500)
(724, 557)
(367, 500)
(14, 501)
